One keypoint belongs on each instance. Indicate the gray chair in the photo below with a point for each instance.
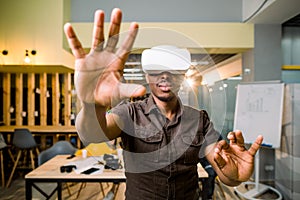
(59, 148)
(24, 142)
(2, 146)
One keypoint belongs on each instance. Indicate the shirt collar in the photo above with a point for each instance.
(151, 106)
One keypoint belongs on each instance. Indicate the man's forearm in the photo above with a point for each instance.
(88, 124)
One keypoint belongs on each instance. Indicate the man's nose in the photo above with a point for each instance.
(166, 75)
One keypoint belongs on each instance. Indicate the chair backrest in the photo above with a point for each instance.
(59, 148)
(23, 139)
(2, 142)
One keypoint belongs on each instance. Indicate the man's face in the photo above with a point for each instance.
(164, 85)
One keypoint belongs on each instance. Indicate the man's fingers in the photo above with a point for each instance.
(73, 41)
(231, 137)
(221, 145)
(239, 138)
(127, 91)
(131, 90)
(114, 29)
(236, 137)
(98, 31)
(220, 161)
(256, 145)
(127, 44)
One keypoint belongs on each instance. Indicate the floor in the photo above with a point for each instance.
(92, 192)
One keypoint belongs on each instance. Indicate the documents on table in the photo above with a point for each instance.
(83, 165)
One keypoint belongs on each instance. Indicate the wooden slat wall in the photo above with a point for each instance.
(30, 112)
(55, 99)
(6, 98)
(31, 98)
(67, 93)
(19, 99)
(43, 99)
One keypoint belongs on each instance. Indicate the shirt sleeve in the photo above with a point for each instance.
(124, 111)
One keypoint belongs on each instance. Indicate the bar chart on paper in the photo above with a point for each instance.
(259, 110)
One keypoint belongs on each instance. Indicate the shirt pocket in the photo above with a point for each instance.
(193, 145)
(149, 142)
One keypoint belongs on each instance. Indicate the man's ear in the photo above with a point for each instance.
(147, 78)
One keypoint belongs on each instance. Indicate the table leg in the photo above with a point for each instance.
(59, 192)
(28, 188)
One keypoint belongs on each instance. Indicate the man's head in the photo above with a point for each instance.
(165, 68)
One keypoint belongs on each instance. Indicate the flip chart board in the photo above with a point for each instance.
(258, 111)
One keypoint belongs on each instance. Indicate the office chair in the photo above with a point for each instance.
(59, 148)
(2, 146)
(24, 142)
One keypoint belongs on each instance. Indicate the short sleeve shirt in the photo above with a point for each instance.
(161, 155)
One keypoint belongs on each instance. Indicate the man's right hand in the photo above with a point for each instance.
(98, 73)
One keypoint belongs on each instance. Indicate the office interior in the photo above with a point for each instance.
(232, 42)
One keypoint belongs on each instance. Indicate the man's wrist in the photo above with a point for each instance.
(94, 106)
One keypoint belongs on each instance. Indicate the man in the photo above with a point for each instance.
(162, 139)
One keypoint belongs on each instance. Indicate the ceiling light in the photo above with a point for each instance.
(4, 52)
(27, 59)
(126, 70)
(133, 63)
(139, 78)
(132, 75)
(33, 52)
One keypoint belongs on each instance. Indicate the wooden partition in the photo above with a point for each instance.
(39, 98)
(51, 100)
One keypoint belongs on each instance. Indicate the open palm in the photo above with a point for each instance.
(98, 73)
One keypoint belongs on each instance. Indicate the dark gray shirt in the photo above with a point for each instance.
(160, 155)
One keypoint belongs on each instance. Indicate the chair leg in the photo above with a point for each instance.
(11, 156)
(14, 168)
(37, 150)
(102, 190)
(32, 159)
(2, 169)
(68, 188)
(81, 186)
(116, 188)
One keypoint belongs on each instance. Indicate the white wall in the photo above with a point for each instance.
(33, 25)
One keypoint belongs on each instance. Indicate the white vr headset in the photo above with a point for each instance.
(165, 58)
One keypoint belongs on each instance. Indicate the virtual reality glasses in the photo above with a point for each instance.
(67, 168)
(163, 58)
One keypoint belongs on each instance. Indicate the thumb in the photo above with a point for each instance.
(131, 90)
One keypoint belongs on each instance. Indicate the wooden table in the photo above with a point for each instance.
(50, 172)
(41, 129)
